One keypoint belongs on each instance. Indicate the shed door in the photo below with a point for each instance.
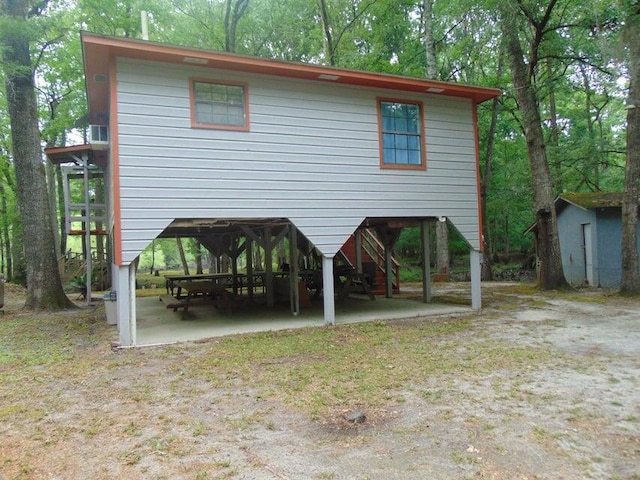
(588, 253)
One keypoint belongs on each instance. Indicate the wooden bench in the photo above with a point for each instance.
(172, 302)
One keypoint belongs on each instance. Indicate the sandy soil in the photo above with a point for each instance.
(139, 416)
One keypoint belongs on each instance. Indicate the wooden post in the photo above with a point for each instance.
(249, 254)
(425, 228)
(87, 228)
(268, 264)
(234, 253)
(388, 266)
(358, 243)
(389, 236)
(293, 269)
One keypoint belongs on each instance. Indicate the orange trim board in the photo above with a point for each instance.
(115, 164)
(476, 135)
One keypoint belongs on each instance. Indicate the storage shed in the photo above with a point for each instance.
(590, 231)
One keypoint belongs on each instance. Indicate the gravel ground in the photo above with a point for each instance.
(576, 415)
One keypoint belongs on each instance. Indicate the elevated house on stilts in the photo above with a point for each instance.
(240, 152)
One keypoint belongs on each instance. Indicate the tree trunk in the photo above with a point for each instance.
(328, 36)
(442, 231)
(153, 257)
(630, 281)
(282, 257)
(233, 13)
(44, 287)
(6, 241)
(225, 263)
(555, 131)
(52, 190)
(551, 272)
(486, 272)
(593, 155)
(429, 43)
(442, 242)
(257, 258)
(183, 258)
(16, 254)
(198, 255)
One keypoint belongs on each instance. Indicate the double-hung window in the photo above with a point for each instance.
(400, 124)
(219, 105)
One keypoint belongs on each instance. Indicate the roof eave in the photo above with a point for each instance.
(98, 51)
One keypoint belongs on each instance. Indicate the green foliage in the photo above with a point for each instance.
(580, 68)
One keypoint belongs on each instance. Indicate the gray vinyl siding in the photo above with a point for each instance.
(311, 155)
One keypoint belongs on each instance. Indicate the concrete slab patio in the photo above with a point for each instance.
(159, 325)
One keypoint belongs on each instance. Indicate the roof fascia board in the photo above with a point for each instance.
(140, 49)
(565, 200)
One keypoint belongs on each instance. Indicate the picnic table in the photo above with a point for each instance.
(202, 292)
(175, 282)
(353, 279)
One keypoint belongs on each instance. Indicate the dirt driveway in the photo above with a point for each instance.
(533, 387)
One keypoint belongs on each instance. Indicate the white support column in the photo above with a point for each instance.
(475, 259)
(126, 305)
(133, 320)
(327, 291)
(425, 228)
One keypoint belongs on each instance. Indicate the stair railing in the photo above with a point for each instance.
(375, 249)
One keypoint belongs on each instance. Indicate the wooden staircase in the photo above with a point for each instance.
(372, 261)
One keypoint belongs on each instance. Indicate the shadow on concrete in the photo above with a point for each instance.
(158, 325)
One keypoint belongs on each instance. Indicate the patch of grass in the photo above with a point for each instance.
(245, 420)
(132, 429)
(26, 411)
(47, 339)
(321, 371)
(592, 298)
(131, 457)
(199, 428)
(451, 299)
(325, 476)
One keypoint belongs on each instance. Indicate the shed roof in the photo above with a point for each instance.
(589, 200)
(585, 201)
(100, 51)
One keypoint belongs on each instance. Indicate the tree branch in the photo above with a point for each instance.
(540, 28)
(44, 47)
(356, 16)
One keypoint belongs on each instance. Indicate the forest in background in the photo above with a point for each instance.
(580, 81)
